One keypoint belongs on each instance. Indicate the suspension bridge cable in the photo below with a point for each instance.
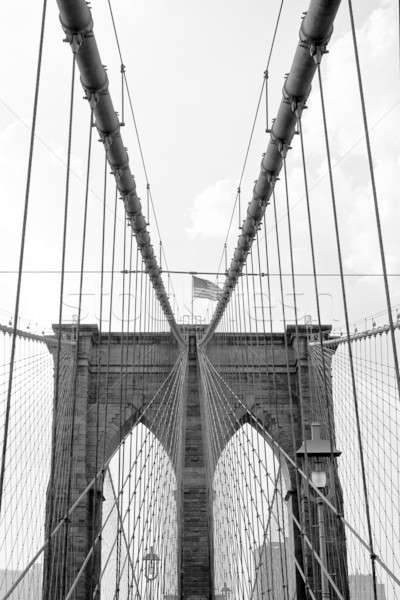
(121, 448)
(22, 248)
(315, 32)
(274, 375)
(253, 126)
(283, 561)
(300, 508)
(317, 300)
(98, 362)
(305, 478)
(250, 478)
(297, 336)
(374, 195)
(179, 365)
(141, 153)
(124, 382)
(60, 317)
(130, 568)
(78, 26)
(97, 539)
(76, 357)
(347, 324)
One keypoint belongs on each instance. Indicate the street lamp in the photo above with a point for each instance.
(226, 592)
(319, 480)
(151, 565)
(320, 451)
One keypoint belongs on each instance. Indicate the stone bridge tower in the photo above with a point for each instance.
(251, 380)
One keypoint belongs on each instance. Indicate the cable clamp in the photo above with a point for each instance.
(271, 177)
(316, 51)
(77, 38)
(108, 140)
(282, 146)
(116, 171)
(297, 103)
(93, 96)
(316, 47)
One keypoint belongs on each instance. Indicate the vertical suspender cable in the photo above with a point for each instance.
(76, 360)
(315, 32)
(60, 310)
(299, 373)
(77, 23)
(347, 325)
(121, 447)
(98, 383)
(22, 251)
(375, 195)
(110, 314)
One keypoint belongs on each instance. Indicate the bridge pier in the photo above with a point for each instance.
(69, 548)
(101, 391)
(196, 544)
(261, 383)
(251, 381)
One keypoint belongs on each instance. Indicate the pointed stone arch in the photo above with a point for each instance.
(269, 546)
(160, 518)
(107, 407)
(244, 361)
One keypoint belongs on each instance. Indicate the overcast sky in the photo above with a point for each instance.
(195, 70)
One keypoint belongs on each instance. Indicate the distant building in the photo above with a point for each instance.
(270, 563)
(361, 588)
(30, 587)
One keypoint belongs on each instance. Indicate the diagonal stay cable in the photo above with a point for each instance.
(141, 413)
(303, 475)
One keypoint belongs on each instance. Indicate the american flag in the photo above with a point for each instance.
(202, 288)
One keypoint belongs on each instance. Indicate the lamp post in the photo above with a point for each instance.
(319, 480)
(226, 592)
(319, 451)
(151, 566)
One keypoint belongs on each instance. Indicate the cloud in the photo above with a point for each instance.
(211, 210)
(376, 40)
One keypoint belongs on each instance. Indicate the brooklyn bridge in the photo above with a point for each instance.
(228, 428)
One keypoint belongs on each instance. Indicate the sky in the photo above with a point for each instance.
(194, 71)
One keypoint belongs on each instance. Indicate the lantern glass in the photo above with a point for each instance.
(319, 479)
(151, 561)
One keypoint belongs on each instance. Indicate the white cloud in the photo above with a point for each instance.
(211, 210)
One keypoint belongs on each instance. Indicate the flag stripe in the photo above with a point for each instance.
(202, 288)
